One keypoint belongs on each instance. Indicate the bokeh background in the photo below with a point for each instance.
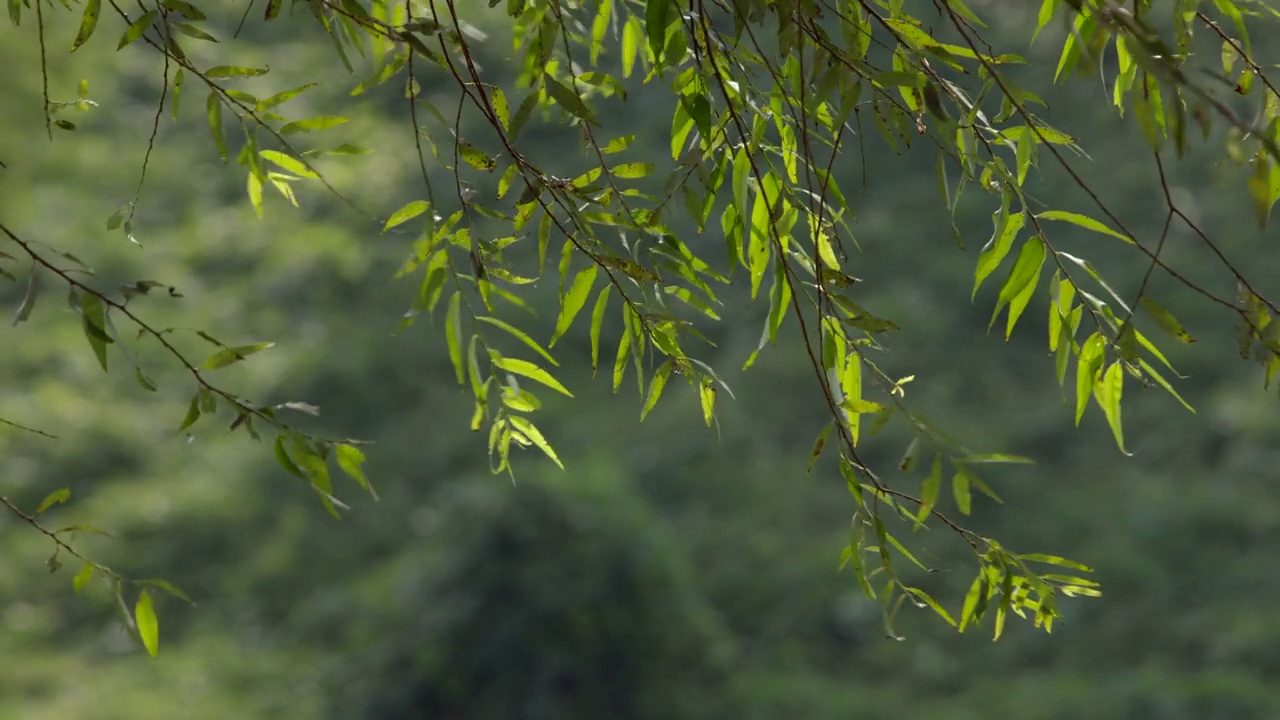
(670, 571)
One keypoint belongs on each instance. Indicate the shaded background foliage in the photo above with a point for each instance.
(671, 571)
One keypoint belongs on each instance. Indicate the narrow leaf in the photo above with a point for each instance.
(227, 356)
(1083, 221)
(148, 626)
(531, 371)
(573, 300)
(88, 22)
(54, 498)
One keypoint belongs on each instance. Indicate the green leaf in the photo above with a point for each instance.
(282, 97)
(230, 71)
(405, 214)
(655, 388)
(1055, 560)
(192, 31)
(168, 587)
(573, 300)
(229, 355)
(819, 443)
(600, 26)
(1108, 391)
(707, 397)
(351, 459)
(758, 248)
(1083, 221)
(54, 498)
(620, 359)
(972, 599)
(520, 335)
(995, 458)
(190, 11)
(597, 321)
(1087, 364)
(193, 413)
(383, 74)
(88, 22)
(82, 578)
(282, 457)
(137, 29)
(568, 99)
(93, 314)
(213, 108)
(498, 100)
(631, 33)
(994, 252)
(655, 23)
(531, 371)
(526, 428)
(475, 157)
(1022, 282)
(960, 491)
(289, 163)
(144, 616)
(929, 491)
(928, 600)
(453, 335)
(321, 122)
(254, 188)
(633, 170)
(177, 91)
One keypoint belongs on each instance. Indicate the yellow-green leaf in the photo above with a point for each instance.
(144, 616)
(405, 214)
(475, 157)
(573, 300)
(310, 124)
(82, 578)
(655, 388)
(213, 108)
(531, 371)
(138, 28)
(350, 459)
(54, 498)
(520, 335)
(88, 22)
(1087, 364)
(292, 164)
(633, 170)
(229, 355)
(597, 320)
(960, 490)
(1083, 221)
(453, 335)
(1108, 390)
(526, 428)
(94, 323)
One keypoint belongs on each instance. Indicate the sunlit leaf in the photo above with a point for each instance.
(527, 429)
(1083, 221)
(527, 369)
(410, 211)
(54, 498)
(148, 626)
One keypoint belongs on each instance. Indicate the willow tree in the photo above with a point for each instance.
(765, 100)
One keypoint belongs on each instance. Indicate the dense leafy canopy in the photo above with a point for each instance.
(771, 111)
